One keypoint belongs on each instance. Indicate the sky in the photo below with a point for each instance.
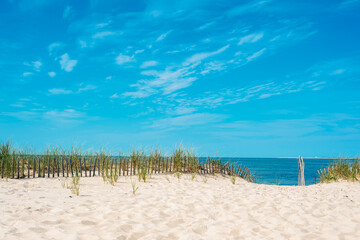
(259, 78)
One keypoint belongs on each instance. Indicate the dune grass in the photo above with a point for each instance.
(57, 162)
(340, 169)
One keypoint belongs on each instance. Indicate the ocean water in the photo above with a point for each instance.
(282, 171)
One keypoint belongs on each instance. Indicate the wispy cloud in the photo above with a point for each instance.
(86, 88)
(53, 47)
(67, 11)
(162, 36)
(64, 116)
(147, 64)
(25, 74)
(188, 120)
(66, 63)
(122, 59)
(256, 55)
(252, 6)
(288, 128)
(101, 35)
(251, 38)
(57, 91)
(52, 74)
(347, 4)
(198, 57)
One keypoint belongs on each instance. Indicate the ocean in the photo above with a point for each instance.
(282, 171)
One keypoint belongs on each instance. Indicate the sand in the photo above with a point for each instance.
(166, 208)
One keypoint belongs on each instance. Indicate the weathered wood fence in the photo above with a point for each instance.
(18, 167)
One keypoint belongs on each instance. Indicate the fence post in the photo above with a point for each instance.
(301, 166)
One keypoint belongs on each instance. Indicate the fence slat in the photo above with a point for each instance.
(2, 166)
(28, 167)
(53, 167)
(18, 167)
(71, 167)
(76, 168)
(13, 170)
(62, 166)
(95, 166)
(34, 166)
(57, 167)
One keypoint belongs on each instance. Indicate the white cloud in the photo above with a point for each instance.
(101, 35)
(67, 64)
(256, 55)
(37, 65)
(347, 3)
(22, 115)
(114, 96)
(162, 36)
(25, 74)
(83, 44)
(86, 88)
(122, 59)
(337, 72)
(206, 25)
(54, 46)
(188, 120)
(58, 91)
(252, 6)
(52, 74)
(252, 38)
(139, 51)
(67, 12)
(201, 56)
(213, 66)
(148, 64)
(64, 116)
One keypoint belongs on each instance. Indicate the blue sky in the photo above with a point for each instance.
(226, 78)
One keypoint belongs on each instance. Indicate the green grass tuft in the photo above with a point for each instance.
(340, 170)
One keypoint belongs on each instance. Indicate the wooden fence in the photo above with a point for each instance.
(18, 167)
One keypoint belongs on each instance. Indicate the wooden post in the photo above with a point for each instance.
(123, 162)
(90, 161)
(39, 174)
(80, 166)
(71, 167)
(53, 168)
(301, 177)
(2, 167)
(34, 166)
(85, 166)
(22, 167)
(57, 167)
(95, 166)
(76, 168)
(62, 166)
(48, 169)
(28, 167)
(13, 169)
(119, 165)
(18, 167)
(67, 167)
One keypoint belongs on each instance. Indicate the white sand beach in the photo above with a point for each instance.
(165, 208)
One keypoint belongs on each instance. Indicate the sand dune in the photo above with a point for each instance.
(165, 208)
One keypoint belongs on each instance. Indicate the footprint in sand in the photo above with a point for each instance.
(200, 229)
(88, 222)
(38, 229)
